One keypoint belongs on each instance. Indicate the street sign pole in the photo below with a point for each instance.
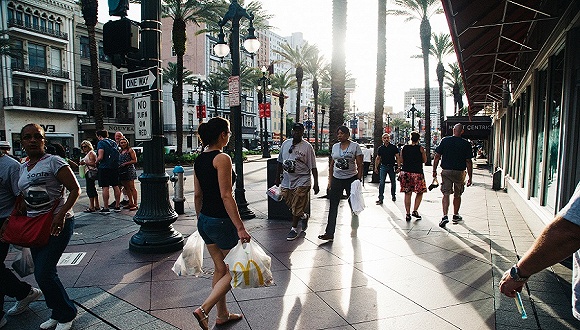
(155, 215)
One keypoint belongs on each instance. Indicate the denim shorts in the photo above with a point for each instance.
(219, 231)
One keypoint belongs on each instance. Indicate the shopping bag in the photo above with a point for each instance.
(249, 265)
(357, 202)
(190, 260)
(275, 192)
(82, 170)
(23, 265)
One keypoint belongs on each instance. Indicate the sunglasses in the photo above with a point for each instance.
(82, 147)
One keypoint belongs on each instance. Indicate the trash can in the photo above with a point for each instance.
(276, 210)
(497, 177)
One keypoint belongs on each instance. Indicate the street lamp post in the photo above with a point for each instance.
(354, 123)
(323, 111)
(264, 82)
(199, 87)
(252, 44)
(155, 215)
(412, 111)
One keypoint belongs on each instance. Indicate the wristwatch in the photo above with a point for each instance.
(515, 274)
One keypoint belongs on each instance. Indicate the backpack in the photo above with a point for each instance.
(112, 155)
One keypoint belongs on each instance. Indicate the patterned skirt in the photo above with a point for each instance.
(412, 182)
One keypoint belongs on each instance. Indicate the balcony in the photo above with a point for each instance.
(36, 103)
(40, 70)
(36, 28)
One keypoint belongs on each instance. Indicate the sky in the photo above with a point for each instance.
(314, 19)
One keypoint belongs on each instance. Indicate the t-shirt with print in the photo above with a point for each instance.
(9, 173)
(571, 212)
(345, 160)
(110, 155)
(40, 186)
(297, 164)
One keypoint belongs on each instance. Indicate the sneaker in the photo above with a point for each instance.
(326, 237)
(457, 218)
(379, 202)
(112, 204)
(304, 221)
(408, 217)
(444, 221)
(64, 326)
(124, 202)
(117, 209)
(104, 211)
(50, 323)
(21, 305)
(416, 215)
(291, 235)
(3, 322)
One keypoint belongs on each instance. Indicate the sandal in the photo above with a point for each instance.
(408, 217)
(230, 318)
(89, 210)
(201, 320)
(416, 215)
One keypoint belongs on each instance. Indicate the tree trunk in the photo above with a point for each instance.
(315, 90)
(281, 103)
(381, 72)
(179, 38)
(90, 10)
(425, 32)
(440, 76)
(338, 71)
(299, 77)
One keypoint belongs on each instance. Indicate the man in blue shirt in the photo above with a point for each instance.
(455, 155)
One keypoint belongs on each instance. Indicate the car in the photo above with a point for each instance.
(166, 149)
(274, 147)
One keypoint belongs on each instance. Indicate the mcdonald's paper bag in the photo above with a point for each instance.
(249, 266)
(191, 258)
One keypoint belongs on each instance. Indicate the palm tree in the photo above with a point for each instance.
(297, 57)
(381, 72)
(183, 12)
(316, 68)
(422, 10)
(171, 76)
(441, 46)
(89, 10)
(216, 84)
(338, 68)
(455, 84)
(324, 103)
(281, 82)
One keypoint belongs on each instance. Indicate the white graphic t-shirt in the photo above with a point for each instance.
(297, 164)
(345, 160)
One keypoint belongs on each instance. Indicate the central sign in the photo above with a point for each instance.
(143, 126)
(139, 81)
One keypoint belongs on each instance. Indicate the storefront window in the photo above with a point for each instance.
(539, 142)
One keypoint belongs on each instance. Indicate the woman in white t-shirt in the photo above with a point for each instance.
(43, 180)
(90, 161)
(346, 165)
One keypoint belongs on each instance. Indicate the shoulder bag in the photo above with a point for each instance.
(28, 231)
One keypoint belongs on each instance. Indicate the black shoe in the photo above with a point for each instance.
(326, 237)
(408, 217)
(444, 221)
(291, 235)
(457, 218)
(379, 202)
(394, 198)
(117, 209)
(433, 186)
(112, 205)
(416, 215)
(124, 202)
(104, 211)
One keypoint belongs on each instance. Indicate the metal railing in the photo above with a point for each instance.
(40, 103)
(40, 70)
(37, 28)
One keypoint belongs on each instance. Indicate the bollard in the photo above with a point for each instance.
(178, 183)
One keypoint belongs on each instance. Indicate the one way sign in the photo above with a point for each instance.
(139, 81)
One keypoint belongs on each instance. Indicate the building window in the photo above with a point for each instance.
(87, 104)
(122, 107)
(58, 96)
(108, 107)
(118, 81)
(173, 53)
(38, 94)
(102, 56)
(36, 57)
(27, 20)
(18, 57)
(18, 91)
(105, 76)
(85, 50)
(86, 76)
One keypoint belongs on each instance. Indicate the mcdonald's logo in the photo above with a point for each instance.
(245, 272)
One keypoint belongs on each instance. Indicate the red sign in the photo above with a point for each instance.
(388, 129)
(261, 109)
(267, 112)
(201, 112)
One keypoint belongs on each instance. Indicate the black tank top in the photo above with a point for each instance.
(412, 158)
(212, 204)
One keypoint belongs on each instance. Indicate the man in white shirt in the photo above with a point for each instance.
(367, 159)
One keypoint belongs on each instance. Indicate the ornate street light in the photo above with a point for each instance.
(263, 83)
(251, 44)
(200, 87)
(412, 111)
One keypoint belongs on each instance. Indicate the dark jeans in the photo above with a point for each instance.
(91, 188)
(383, 171)
(366, 167)
(10, 285)
(337, 186)
(45, 260)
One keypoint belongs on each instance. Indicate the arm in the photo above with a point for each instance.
(100, 156)
(377, 163)
(330, 170)
(315, 177)
(557, 241)
(359, 166)
(469, 164)
(133, 158)
(223, 165)
(436, 163)
(399, 160)
(279, 170)
(197, 195)
(424, 156)
(67, 178)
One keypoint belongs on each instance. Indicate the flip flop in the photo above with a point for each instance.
(89, 210)
(201, 320)
(230, 318)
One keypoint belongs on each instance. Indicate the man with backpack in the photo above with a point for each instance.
(108, 170)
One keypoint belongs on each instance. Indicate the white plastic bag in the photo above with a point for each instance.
(357, 201)
(23, 265)
(190, 260)
(249, 266)
(275, 192)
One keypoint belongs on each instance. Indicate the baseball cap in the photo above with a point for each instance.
(4, 145)
(298, 125)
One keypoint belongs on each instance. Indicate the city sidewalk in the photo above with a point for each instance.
(393, 275)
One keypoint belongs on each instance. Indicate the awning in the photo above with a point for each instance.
(59, 135)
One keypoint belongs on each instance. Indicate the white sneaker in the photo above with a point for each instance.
(48, 324)
(21, 305)
(64, 326)
(3, 321)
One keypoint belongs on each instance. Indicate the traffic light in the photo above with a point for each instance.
(118, 7)
(120, 37)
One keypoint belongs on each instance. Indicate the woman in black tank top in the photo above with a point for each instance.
(218, 219)
(413, 157)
